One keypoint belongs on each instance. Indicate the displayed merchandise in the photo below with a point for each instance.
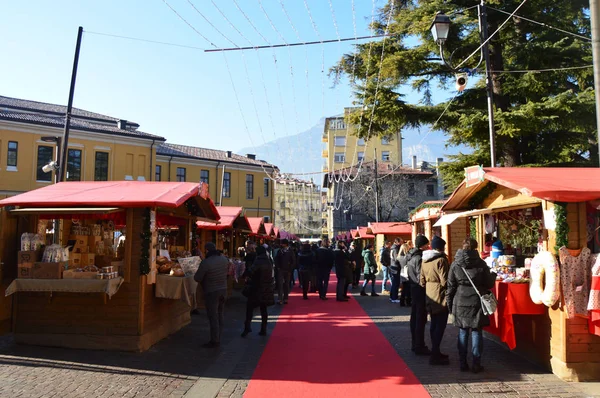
(545, 277)
(31, 242)
(576, 279)
(55, 253)
(189, 265)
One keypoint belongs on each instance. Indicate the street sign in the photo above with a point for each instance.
(473, 175)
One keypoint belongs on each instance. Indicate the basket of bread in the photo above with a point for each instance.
(167, 267)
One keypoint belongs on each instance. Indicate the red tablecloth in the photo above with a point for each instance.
(513, 299)
(594, 321)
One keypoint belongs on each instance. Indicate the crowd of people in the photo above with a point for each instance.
(420, 276)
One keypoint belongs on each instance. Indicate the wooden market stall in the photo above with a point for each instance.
(231, 230)
(61, 303)
(531, 210)
(385, 231)
(362, 234)
(257, 226)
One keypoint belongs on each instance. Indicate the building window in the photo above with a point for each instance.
(340, 141)
(430, 190)
(44, 156)
(74, 165)
(204, 176)
(385, 156)
(385, 141)
(411, 189)
(249, 186)
(360, 142)
(227, 185)
(101, 166)
(339, 157)
(180, 176)
(266, 219)
(337, 124)
(266, 186)
(13, 149)
(157, 173)
(361, 156)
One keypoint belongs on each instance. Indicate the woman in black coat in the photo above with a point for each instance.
(260, 290)
(464, 303)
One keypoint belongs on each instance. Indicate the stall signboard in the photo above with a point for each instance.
(473, 175)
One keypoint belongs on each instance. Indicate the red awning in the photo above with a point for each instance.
(276, 232)
(391, 228)
(123, 194)
(230, 217)
(257, 225)
(269, 228)
(560, 184)
(362, 233)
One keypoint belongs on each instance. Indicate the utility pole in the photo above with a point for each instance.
(62, 164)
(595, 25)
(376, 187)
(483, 29)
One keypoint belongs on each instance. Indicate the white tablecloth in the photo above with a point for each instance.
(176, 288)
(108, 286)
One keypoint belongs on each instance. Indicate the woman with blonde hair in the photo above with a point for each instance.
(405, 297)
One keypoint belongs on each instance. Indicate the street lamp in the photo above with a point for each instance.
(55, 164)
(440, 28)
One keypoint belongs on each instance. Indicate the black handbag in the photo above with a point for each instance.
(248, 289)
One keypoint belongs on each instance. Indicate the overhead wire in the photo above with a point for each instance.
(543, 24)
(189, 24)
(210, 23)
(164, 43)
(493, 34)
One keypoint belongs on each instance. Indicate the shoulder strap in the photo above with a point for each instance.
(470, 280)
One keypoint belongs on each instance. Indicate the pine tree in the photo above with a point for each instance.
(541, 118)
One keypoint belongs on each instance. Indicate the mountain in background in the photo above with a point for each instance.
(301, 153)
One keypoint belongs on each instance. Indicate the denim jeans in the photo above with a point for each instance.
(476, 345)
(366, 281)
(215, 304)
(436, 331)
(386, 277)
(395, 286)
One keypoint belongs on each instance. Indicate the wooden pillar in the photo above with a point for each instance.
(428, 229)
(414, 231)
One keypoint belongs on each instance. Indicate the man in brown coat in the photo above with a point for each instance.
(434, 278)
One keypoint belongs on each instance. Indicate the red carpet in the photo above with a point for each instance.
(330, 349)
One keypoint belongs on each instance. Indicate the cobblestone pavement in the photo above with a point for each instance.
(506, 374)
(172, 368)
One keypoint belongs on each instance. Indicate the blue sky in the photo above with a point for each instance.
(182, 94)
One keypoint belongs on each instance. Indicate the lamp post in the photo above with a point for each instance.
(50, 167)
(440, 27)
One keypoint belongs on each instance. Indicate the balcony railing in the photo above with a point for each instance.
(325, 153)
(325, 138)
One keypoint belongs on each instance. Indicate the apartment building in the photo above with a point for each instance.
(101, 147)
(342, 148)
(298, 207)
(233, 180)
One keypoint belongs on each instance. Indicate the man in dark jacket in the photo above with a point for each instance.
(285, 262)
(418, 314)
(306, 260)
(260, 280)
(341, 264)
(356, 256)
(464, 303)
(434, 277)
(324, 260)
(212, 275)
(395, 270)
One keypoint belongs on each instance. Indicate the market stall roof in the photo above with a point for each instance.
(257, 225)
(562, 184)
(390, 228)
(269, 229)
(122, 194)
(231, 217)
(276, 232)
(426, 211)
(362, 233)
(449, 218)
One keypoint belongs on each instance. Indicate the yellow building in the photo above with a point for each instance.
(233, 180)
(343, 149)
(298, 207)
(100, 148)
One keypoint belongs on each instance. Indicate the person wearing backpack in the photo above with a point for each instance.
(464, 302)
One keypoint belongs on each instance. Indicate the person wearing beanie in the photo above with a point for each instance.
(418, 314)
(434, 278)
